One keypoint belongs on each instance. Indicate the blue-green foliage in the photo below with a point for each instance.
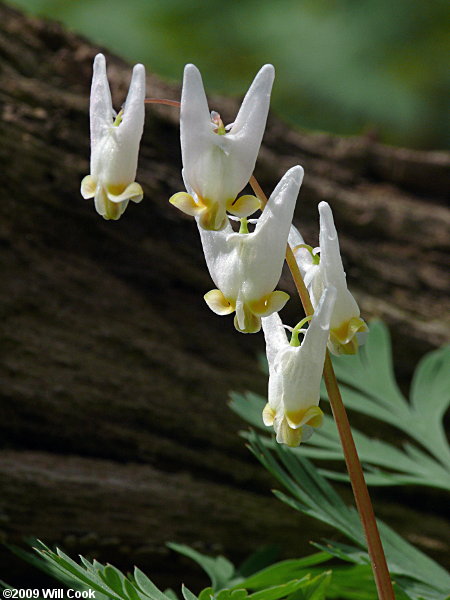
(419, 577)
(301, 579)
(368, 386)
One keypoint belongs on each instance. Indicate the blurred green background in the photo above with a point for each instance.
(376, 67)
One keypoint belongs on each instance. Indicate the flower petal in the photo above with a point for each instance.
(186, 203)
(244, 206)
(241, 144)
(101, 110)
(132, 192)
(312, 416)
(109, 210)
(268, 241)
(88, 187)
(268, 415)
(196, 133)
(301, 367)
(346, 339)
(134, 107)
(252, 116)
(271, 303)
(275, 336)
(218, 303)
(332, 270)
(287, 435)
(213, 217)
(245, 321)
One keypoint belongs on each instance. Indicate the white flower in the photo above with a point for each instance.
(347, 329)
(218, 161)
(246, 267)
(295, 372)
(114, 143)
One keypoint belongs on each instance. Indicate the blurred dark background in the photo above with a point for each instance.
(115, 431)
(348, 67)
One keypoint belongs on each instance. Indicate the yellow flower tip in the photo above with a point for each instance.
(343, 338)
(246, 321)
(88, 187)
(312, 416)
(186, 203)
(244, 206)
(288, 435)
(349, 348)
(218, 303)
(113, 211)
(252, 324)
(122, 193)
(211, 222)
(212, 216)
(268, 415)
(269, 304)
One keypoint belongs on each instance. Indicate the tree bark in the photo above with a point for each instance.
(114, 374)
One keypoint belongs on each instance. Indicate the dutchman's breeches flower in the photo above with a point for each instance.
(246, 267)
(218, 161)
(114, 143)
(347, 329)
(295, 372)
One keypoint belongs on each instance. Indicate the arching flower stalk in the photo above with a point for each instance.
(246, 267)
(114, 143)
(218, 160)
(347, 329)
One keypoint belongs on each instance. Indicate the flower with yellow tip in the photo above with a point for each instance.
(347, 329)
(295, 372)
(218, 160)
(114, 143)
(246, 267)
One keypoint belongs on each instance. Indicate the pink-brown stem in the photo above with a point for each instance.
(359, 486)
(162, 101)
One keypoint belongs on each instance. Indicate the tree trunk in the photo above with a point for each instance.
(114, 373)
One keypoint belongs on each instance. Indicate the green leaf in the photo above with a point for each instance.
(430, 397)
(148, 587)
(431, 383)
(219, 569)
(238, 594)
(38, 561)
(314, 589)
(353, 583)
(368, 386)
(206, 594)
(279, 591)
(310, 493)
(344, 552)
(258, 560)
(187, 594)
(283, 571)
(75, 573)
(130, 591)
(112, 577)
